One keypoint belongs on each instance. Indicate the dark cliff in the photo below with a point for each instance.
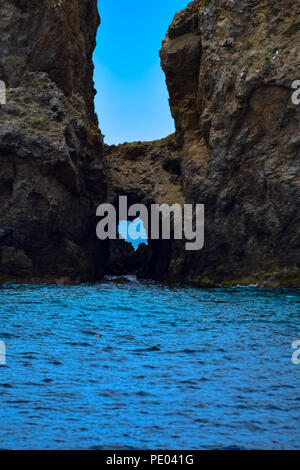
(229, 69)
(51, 169)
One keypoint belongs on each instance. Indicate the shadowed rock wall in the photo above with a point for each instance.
(51, 167)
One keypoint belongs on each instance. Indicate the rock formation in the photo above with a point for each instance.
(229, 67)
(51, 168)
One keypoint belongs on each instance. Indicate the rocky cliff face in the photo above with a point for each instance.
(229, 68)
(51, 150)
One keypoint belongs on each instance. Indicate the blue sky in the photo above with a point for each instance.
(133, 232)
(132, 99)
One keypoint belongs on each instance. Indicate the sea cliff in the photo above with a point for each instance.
(229, 68)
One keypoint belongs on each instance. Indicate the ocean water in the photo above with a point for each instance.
(175, 368)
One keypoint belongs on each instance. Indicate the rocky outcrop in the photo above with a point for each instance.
(229, 69)
(51, 168)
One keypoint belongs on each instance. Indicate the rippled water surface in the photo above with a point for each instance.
(178, 368)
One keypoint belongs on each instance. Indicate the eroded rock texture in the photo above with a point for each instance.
(229, 69)
(51, 169)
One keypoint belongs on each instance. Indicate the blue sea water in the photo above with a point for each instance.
(175, 368)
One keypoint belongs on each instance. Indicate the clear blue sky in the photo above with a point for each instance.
(132, 100)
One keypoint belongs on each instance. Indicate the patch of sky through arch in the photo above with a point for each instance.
(132, 97)
(133, 232)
